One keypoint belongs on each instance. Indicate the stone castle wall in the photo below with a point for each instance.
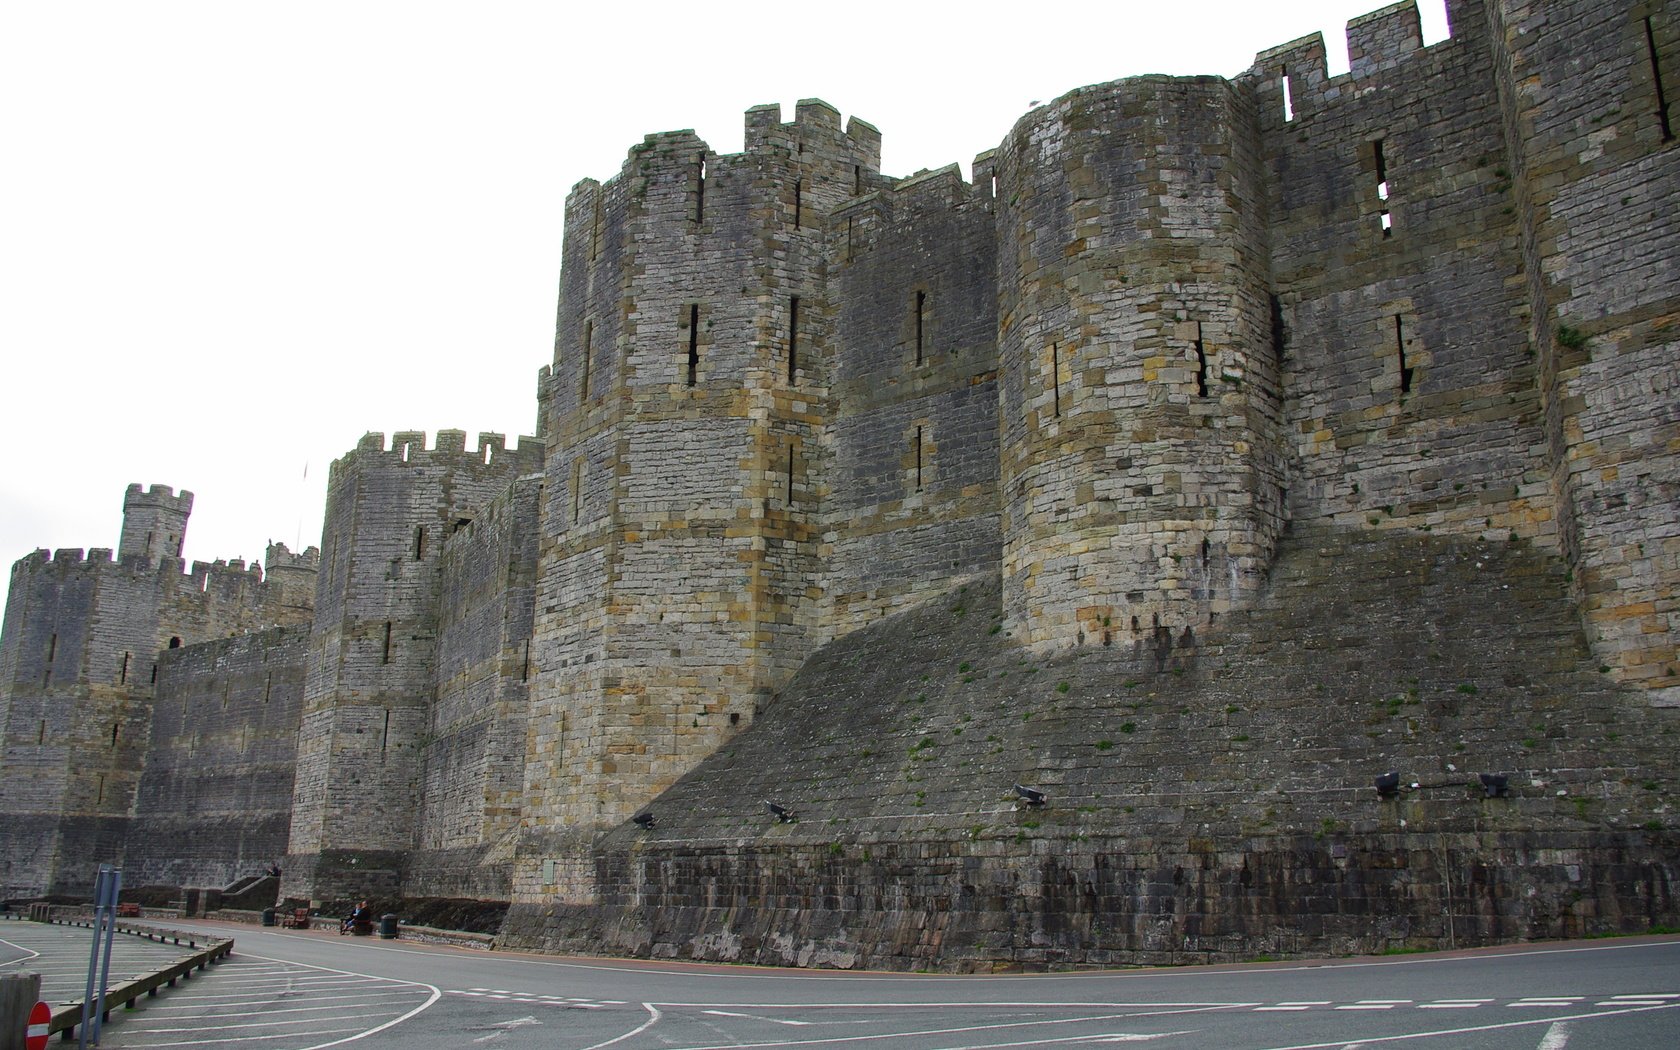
(81, 644)
(1170, 324)
(214, 802)
(367, 701)
(473, 779)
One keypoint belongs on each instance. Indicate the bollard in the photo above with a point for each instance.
(18, 995)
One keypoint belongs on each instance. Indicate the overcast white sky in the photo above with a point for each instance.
(236, 236)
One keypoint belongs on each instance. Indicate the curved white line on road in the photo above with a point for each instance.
(644, 1026)
(392, 1023)
(28, 953)
(876, 1037)
(1339, 1044)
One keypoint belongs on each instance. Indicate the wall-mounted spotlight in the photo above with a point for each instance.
(1388, 785)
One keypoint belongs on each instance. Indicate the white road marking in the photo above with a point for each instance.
(1549, 1000)
(1557, 1037)
(1454, 1004)
(244, 1038)
(1374, 1004)
(1439, 1032)
(1292, 1006)
(644, 1026)
(392, 1023)
(756, 1017)
(919, 1033)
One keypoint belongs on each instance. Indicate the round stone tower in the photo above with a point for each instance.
(1140, 467)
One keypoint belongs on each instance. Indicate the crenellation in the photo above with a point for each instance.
(1383, 38)
(1265, 405)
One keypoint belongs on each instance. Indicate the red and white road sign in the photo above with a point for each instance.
(36, 1035)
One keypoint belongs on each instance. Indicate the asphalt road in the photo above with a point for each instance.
(294, 990)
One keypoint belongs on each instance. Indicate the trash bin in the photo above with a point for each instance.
(268, 916)
(388, 927)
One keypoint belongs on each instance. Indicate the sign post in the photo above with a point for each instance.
(105, 890)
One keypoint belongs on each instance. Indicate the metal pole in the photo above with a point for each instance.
(113, 886)
(93, 957)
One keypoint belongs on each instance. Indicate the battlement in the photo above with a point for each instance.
(158, 496)
(279, 556)
(1294, 77)
(409, 446)
(940, 187)
(813, 118)
(203, 571)
(1383, 38)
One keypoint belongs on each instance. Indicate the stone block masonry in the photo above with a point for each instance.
(79, 657)
(1334, 414)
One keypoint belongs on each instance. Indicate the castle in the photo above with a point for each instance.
(1170, 322)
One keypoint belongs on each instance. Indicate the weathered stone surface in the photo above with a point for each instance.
(1209, 798)
(1296, 426)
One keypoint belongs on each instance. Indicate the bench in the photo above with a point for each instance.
(297, 920)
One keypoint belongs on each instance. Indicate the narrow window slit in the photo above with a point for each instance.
(41, 732)
(525, 668)
(921, 315)
(122, 675)
(595, 231)
(1400, 346)
(577, 490)
(1386, 219)
(385, 735)
(1656, 77)
(790, 476)
(857, 179)
(1205, 550)
(385, 657)
(693, 343)
(419, 542)
(115, 728)
(1277, 328)
(918, 459)
(798, 200)
(1056, 377)
(1288, 98)
(1201, 363)
(52, 648)
(700, 189)
(793, 337)
(588, 354)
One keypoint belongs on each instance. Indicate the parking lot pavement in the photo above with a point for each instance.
(256, 1001)
(60, 955)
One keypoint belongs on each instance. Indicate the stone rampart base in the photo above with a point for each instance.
(1031, 905)
(342, 874)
